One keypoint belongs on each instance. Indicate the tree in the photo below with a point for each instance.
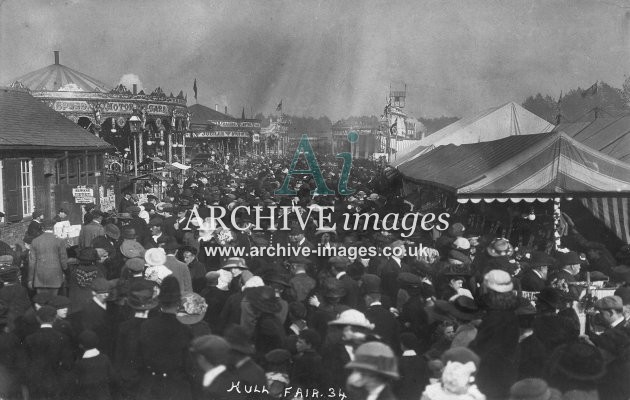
(544, 107)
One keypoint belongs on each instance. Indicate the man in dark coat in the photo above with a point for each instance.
(157, 232)
(164, 356)
(140, 225)
(338, 267)
(141, 298)
(126, 202)
(35, 228)
(390, 271)
(48, 358)
(91, 230)
(414, 372)
(95, 316)
(535, 278)
(385, 324)
(178, 268)
(211, 354)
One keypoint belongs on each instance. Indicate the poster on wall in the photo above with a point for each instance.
(83, 195)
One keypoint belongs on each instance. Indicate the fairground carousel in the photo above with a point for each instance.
(147, 129)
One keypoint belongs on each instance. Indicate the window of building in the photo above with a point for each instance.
(26, 186)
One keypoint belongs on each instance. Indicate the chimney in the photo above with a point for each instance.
(56, 57)
(135, 88)
(216, 107)
(225, 110)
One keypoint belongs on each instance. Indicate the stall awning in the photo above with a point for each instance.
(521, 166)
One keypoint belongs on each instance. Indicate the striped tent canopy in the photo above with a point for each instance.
(548, 164)
(57, 77)
(609, 135)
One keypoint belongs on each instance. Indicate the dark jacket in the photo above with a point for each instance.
(414, 377)
(93, 317)
(164, 355)
(389, 278)
(49, 359)
(93, 378)
(47, 261)
(385, 325)
(307, 370)
(531, 282)
(353, 294)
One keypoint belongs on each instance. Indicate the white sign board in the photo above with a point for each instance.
(83, 195)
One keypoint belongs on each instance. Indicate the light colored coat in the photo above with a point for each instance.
(47, 260)
(181, 272)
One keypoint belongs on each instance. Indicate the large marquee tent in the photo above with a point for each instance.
(527, 167)
(510, 119)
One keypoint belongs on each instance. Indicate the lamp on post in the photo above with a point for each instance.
(134, 127)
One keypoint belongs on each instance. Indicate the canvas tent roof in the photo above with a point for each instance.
(609, 135)
(509, 119)
(542, 164)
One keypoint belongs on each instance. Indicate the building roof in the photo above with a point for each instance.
(201, 115)
(609, 135)
(522, 165)
(28, 123)
(58, 77)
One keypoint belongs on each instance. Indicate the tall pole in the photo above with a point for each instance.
(135, 154)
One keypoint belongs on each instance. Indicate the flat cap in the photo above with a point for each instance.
(609, 303)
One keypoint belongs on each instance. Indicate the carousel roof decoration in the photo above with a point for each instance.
(58, 77)
(181, 94)
(158, 92)
(120, 89)
(18, 85)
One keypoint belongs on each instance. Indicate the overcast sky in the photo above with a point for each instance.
(334, 58)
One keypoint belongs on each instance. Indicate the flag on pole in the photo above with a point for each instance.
(195, 88)
(243, 113)
(279, 108)
(590, 91)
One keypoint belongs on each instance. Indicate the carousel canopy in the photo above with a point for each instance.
(27, 123)
(57, 77)
(609, 135)
(522, 165)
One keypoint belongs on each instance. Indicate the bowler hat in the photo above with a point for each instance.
(370, 284)
(142, 295)
(457, 229)
(170, 292)
(171, 245)
(278, 356)
(101, 242)
(409, 279)
(129, 233)
(88, 339)
(156, 222)
(569, 258)
(59, 302)
(533, 389)
(273, 277)
(623, 293)
(235, 262)
(263, 299)
(463, 308)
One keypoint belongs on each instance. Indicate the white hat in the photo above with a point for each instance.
(461, 243)
(354, 318)
(155, 257)
(499, 281)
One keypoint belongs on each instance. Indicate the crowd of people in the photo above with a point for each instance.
(140, 309)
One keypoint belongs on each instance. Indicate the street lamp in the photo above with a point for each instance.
(134, 127)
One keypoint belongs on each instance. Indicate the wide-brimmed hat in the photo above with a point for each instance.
(325, 229)
(579, 361)
(377, 358)
(131, 249)
(533, 389)
(101, 242)
(155, 257)
(462, 270)
(461, 243)
(353, 318)
(192, 310)
(462, 308)
(171, 245)
(263, 299)
(500, 247)
(540, 259)
(112, 231)
(457, 229)
(568, 258)
(552, 297)
(142, 295)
